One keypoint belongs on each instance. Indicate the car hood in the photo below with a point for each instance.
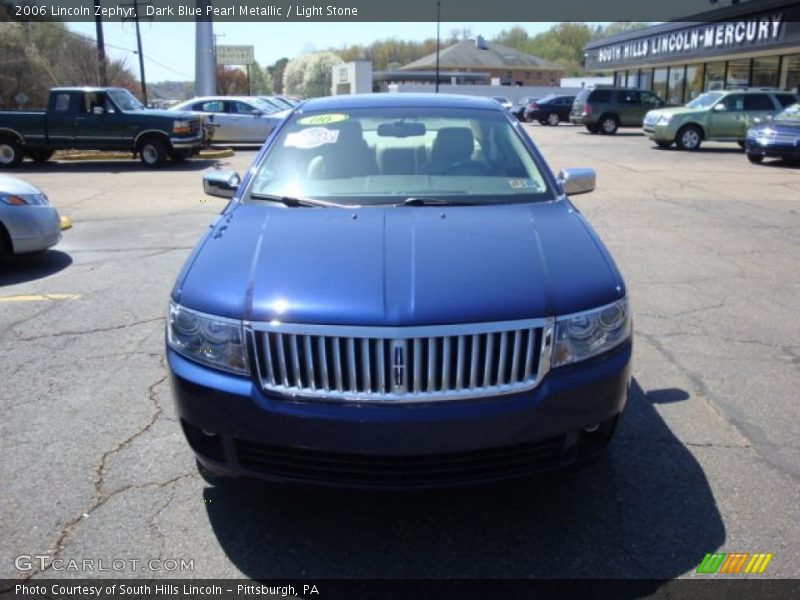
(792, 127)
(399, 266)
(672, 110)
(12, 185)
(167, 114)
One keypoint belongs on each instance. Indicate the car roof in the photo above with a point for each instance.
(399, 100)
(87, 89)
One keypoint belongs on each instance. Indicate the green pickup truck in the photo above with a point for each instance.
(92, 118)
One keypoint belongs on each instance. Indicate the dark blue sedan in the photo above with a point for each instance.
(399, 293)
(778, 138)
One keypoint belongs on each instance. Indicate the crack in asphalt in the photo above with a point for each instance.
(89, 331)
(101, 496)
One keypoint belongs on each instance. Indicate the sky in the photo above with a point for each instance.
(169, 47)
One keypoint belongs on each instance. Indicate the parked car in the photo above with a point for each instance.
(503, 101)
(722, 116)
(778, 137)
(94, 118)
(550, 110)
(518, 110)
(273, 104)
(28, 223)
(604, 109)
(236, 119)
(373, 306)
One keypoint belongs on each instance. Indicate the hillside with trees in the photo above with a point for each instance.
(35, 56)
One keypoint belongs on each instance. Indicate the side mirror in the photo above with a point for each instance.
(720, 107)
(221, 183)
(577, 181)
(256, 113)
(99, 110)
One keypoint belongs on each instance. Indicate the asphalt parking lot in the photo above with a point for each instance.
(706, 458)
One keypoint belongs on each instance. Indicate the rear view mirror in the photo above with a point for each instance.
(401, 129)
(221, 183)
(577, 181)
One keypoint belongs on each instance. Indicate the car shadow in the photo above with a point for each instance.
(30, 267)
(781, 163)
(613, 135)
(643, 510)
(111, 166)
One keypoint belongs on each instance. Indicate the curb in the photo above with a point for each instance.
(222, 153)
(65, 223)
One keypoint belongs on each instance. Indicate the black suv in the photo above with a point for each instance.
(606, 109)
(550, 110)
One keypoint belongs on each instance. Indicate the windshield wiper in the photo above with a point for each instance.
(295, 202)
(419, 201)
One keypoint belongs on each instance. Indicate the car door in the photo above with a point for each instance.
(728, 119)
(564, 106)
(61, 114)
(630, 108)
(249, 122)
(98, 125)
(215, 109)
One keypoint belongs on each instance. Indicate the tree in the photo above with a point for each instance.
(231, 81)
(293, 75)
(276, 73)
(260, 80)
(318, 76)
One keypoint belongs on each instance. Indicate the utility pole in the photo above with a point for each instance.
(438, 25)
(101, 45)
(135, 5)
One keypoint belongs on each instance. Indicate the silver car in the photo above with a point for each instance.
(27, 221)
(236, 119)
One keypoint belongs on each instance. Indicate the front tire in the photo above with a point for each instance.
(609, 124)
(689, 138)
(553, 119)
(755, 158)
(153, 153)
(11, 154)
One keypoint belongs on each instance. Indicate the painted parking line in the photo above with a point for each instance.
(39, 297)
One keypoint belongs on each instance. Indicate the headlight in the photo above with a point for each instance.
(583, 335)
(24, 199)
(215, 341)
(180, 127)
(664, 119)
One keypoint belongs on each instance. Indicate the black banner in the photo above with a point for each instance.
(517, 11)
(232, 589)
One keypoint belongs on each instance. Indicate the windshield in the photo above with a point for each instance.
(125, 100)
(704, 100)
(389, 155)
(500, 99)
(792, 113)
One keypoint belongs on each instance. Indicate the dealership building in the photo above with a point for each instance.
(749, 44)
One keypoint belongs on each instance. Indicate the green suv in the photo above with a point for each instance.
(605, 109)
(722, 116)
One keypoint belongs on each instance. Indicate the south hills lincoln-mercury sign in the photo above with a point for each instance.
(697, 40)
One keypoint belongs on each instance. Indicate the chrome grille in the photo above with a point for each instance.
(402, 364)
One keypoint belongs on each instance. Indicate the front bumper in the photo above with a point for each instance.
(237, 429)
(187, 143)
(660, 133)
(581, 119)
(773, 150)
(32, 228)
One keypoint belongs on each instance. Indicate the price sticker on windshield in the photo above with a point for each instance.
(323, 119)
(311, 138)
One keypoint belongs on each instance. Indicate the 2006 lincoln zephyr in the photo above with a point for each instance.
(399, 293)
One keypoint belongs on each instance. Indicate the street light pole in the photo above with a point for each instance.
(438, 24)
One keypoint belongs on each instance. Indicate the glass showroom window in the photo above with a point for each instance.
(792, 72)
(676, 81)
(633, 79)
(738, 73)
(646, 79)
(660, 82)
(694, 81)
(766, 72)
(715, 76)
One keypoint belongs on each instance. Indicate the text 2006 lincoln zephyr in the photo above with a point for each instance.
(399, 293)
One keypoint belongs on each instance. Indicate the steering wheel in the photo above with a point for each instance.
(467, 167)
